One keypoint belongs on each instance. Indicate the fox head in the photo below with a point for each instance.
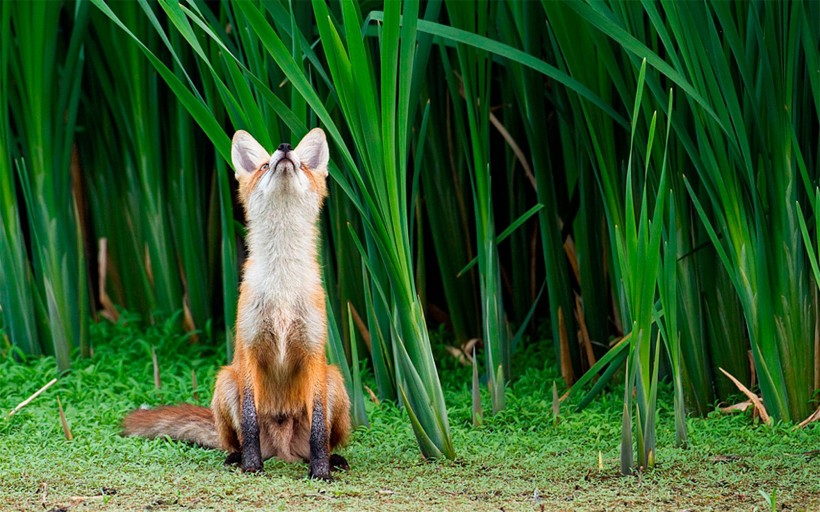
(290, 179)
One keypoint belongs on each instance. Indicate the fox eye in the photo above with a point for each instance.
(264, 167)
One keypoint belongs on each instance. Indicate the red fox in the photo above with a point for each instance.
(279, 397)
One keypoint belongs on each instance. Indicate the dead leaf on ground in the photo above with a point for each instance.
(741, 407)
(725, 458)
(754, 398)
(464, 353)
(373, 397)
(32, 397)
(815, 416)
(66, 429)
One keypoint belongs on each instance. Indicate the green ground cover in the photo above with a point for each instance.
(519, 459)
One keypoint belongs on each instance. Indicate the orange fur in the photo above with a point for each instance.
(184, 422)
(284, 385)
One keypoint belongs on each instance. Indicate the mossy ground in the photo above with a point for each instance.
(517, 460)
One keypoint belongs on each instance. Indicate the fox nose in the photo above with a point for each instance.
(284, 147)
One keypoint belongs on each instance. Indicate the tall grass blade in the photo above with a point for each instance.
(16, 287)
(46, 74)
(475, 68)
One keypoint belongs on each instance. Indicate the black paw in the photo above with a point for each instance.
(338, 462)
(252, 468)
(251, 461)
(320, 470)
(233, 459)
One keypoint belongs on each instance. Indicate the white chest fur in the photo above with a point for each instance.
(281, 279)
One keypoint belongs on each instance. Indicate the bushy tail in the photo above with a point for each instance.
(184, 422)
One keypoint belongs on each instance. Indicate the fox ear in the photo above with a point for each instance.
(247, 154)
(313, 151)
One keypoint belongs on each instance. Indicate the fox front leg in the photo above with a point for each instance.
(319, 443)
(251, 453)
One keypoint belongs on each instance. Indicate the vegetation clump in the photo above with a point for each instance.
(518, 459)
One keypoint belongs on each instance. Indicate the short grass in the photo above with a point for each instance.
(517, 460)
